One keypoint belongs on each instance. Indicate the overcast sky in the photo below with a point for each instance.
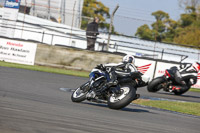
(133, 13)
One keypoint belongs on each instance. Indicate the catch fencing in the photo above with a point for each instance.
(40, 30)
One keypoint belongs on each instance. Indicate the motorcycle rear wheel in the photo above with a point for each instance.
(79, 94)
(122, 100)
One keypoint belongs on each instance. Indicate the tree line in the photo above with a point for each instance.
(184, 31)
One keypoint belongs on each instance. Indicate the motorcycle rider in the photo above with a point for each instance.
(186, 72)
(126, 68)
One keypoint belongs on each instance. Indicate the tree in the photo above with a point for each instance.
(160, 15)
(189, 17)
(184, 31)
(171, 27)
(190, 36)
(189, 29)
(94, 8)
(160, 28)
(144, 32)
(189, 3)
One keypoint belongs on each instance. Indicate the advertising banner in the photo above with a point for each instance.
(162, 66)
(12, 4)
(17, 51)
(146, 67)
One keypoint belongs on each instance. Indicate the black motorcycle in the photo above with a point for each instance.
(116, 96)
(166, 82)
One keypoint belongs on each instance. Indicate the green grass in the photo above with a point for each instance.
(46, 69)
(182, 107)
(194, 90)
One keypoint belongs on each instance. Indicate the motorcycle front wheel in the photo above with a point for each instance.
(156, 84)
(128, 93)
(79, 94)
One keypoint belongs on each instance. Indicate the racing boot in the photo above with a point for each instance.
(136, 96)
(174, 88)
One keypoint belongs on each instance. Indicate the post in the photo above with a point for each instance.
(23, 19)
(60, 15)
(72, 22)
(33, 7)
(63, 15)
(42, 36)
(110, 28)
(154, 72)
(52, 39)
(73, 15)
(48, 10)
(162, 54)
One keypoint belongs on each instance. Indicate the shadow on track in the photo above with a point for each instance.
(124, 109)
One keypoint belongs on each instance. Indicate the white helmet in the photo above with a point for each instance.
(196, 65)
(129, 59)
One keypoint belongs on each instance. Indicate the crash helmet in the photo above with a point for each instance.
(196, 66)
(129, 59)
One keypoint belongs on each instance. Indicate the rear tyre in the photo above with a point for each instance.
(155, 84)
(122, 100)
(79, 94)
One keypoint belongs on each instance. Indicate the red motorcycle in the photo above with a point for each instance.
(167, 83)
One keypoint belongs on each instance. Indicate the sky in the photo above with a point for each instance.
(132, 14)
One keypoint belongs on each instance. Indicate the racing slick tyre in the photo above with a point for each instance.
(119, 101)
(79, 94)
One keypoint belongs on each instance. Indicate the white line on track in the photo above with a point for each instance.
(67, 89)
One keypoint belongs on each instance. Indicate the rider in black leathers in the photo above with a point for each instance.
(126, 67)
(186, 72)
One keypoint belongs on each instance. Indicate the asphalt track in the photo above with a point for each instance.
(31, 102)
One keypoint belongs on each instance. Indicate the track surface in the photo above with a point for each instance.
(31, 102)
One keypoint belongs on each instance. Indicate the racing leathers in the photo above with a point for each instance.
(125, 69)
(185, 76)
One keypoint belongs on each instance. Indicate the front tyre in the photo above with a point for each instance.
(156, 84)
(127, 95)
(79, 94)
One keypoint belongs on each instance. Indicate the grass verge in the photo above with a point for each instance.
(46, 69)
(182, 107)
(194, 90)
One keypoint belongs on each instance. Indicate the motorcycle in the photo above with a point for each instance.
(166, 82)
(116, 96)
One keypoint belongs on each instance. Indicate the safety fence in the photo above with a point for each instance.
(47, 32)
